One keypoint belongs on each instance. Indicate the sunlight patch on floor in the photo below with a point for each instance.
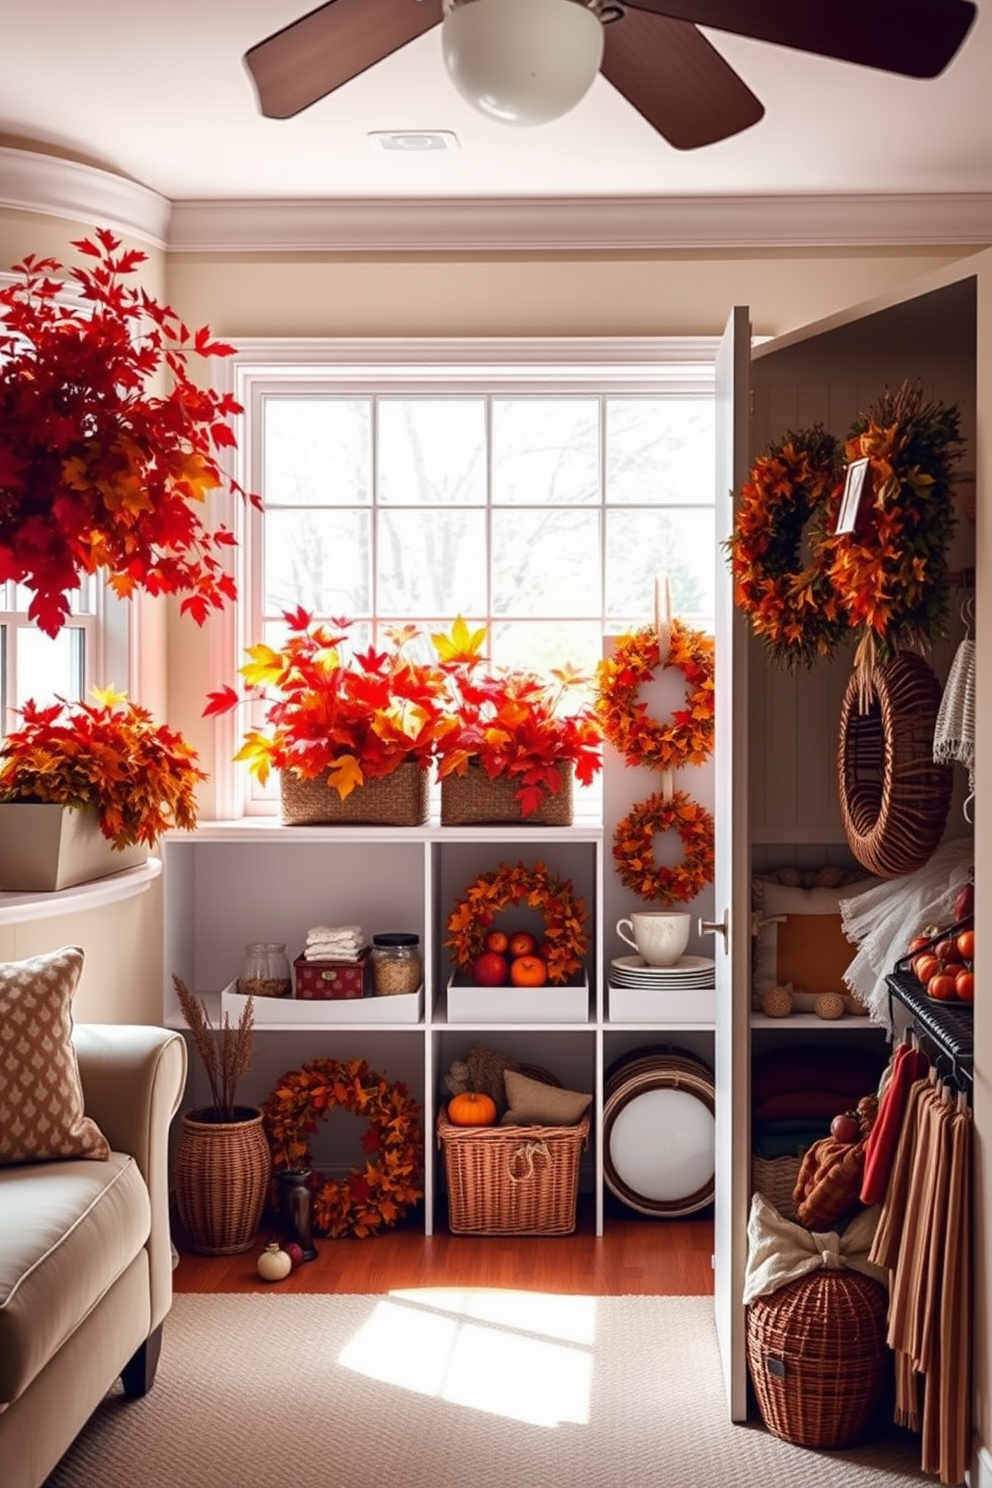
(526, 1356)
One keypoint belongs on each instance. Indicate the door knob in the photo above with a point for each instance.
(716, 927)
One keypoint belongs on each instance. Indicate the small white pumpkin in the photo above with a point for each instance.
(274, 1264)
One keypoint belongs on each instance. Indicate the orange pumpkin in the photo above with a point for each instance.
(472, 1108)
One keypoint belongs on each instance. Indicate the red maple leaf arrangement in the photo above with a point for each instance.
(100, 470)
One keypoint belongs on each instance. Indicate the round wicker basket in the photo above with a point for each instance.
(817, 1353)
(894, 799)
(221, 1180)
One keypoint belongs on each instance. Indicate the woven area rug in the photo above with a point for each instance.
(426, 1388)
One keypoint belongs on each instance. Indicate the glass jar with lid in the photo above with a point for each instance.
(265, 970)
(397, 966)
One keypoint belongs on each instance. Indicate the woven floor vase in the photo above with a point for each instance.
(818, 1358)
(221, 1180)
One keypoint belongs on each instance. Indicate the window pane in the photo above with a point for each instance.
(641, 545)
(431, 563)
(546, 562)
(545, 450)
(317, 451)
(318, 559)
(49, 665)
(659, 450)
(82, 601)
(432, 452)
(543, 645)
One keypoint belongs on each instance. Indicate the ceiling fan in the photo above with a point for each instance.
(526, 61)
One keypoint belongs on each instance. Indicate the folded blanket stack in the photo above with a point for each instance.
(334, 943)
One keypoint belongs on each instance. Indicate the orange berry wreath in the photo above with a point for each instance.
(687, 736)
(381, 1191)
(633, 848)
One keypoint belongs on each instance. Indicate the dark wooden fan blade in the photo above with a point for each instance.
(917, 38)
(329, 46)
(672, 76)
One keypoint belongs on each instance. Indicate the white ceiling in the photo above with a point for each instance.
(157, 91)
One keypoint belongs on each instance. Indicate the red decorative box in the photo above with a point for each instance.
(321, 980)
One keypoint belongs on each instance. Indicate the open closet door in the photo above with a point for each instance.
(732, 928)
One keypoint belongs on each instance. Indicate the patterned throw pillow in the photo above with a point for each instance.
(41, 1098)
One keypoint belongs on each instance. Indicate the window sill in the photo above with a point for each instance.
(15, 909)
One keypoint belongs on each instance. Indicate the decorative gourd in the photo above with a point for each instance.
(274, 1264)
(472, 1108)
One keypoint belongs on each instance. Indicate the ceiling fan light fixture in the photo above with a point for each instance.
(522, 61)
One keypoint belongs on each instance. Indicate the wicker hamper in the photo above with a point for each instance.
(818, 1358)
(512, 1180)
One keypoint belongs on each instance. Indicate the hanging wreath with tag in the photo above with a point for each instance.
(375, 1195)
(634, 855)
(782, 578)
(890, 568)
(686, 737)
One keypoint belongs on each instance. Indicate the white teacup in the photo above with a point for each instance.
(658, 936)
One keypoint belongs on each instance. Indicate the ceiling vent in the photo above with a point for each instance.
(411, 141)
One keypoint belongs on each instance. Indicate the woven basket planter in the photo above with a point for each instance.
(818, 1358)
(894, 799)
(512, 1180)
(474, 799)
(221, 1180)
(397, 800)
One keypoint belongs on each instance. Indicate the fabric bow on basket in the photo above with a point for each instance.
(780, 1251)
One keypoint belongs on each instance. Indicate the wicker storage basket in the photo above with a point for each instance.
(894, 799)
(817, 1353)
(775, 1177)
(221, 1179)
(397, 800)
(512, 1180)
(474, 798)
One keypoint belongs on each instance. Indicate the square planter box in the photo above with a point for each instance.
(44, 847)
(658, 1005)
(468, 1003)
(407, 1007)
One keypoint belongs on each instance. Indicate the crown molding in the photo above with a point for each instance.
(33, 182)
(36, 182)
(574, 224)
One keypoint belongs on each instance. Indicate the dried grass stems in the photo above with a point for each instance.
(225, 1052)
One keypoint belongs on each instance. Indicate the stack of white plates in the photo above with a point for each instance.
(682, 976)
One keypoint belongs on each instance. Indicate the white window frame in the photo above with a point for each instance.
(602, 366)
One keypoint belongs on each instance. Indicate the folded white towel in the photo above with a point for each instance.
(331, 953)
(332, 932)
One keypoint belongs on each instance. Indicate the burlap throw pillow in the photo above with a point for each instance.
(533, 1104)
(41, 1098)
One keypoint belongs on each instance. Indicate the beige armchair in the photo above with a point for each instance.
(85, 1253)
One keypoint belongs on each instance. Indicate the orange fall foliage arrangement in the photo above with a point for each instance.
(99, 470)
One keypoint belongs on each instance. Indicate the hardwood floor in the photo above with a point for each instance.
(637, 1256)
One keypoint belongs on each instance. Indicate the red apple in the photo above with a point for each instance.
(846, 1127)
(528, 971)
(295, 1253)
(490, 969)
(498, 941)
(964, 902)
(522, 943)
